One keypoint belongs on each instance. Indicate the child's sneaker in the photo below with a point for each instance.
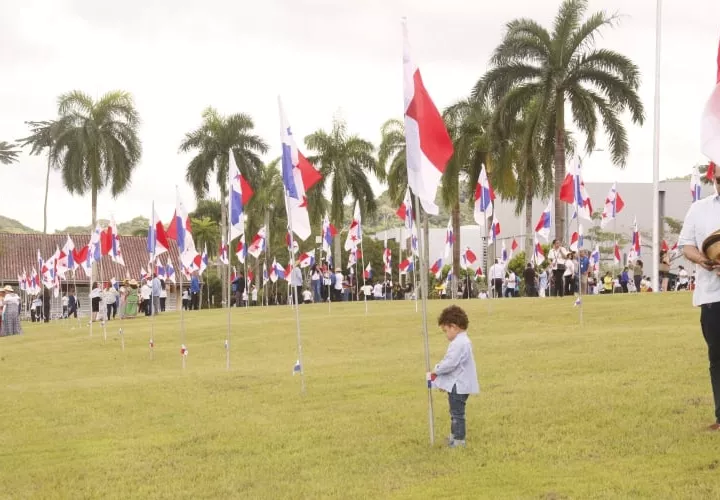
(457, 443)
(449, 440)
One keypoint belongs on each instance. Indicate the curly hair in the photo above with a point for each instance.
(453, 315)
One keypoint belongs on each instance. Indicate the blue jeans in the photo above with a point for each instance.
(457, 414)
(317, 295)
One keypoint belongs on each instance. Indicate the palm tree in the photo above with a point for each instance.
(216, 136)
(206, 232)
(345, 162)
(97, 143)
(42, 140)
(566, 67)
(8, 153)
(391, 159)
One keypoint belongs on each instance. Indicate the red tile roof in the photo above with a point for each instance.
(18, 252)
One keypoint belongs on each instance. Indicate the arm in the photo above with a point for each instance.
(689, 246)
(452, 359)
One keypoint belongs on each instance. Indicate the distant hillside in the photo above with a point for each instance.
(8, 225)
(131, 228)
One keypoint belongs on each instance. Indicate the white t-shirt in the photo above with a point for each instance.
(65, 301)
(511, 280)
(377, 290)
(367, 290)
(339, 281)
(497, 271)
(569, 268)
(683, 277)
(185, 295)
(307, 295)
(254, 294)
(557, 257)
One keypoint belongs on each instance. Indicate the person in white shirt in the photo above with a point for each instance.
(703, 219)
(307, 296)
(378, 291)
(497, 276)
(367, 291)
(95, 302)
(569, 275)
(683, 279)
(146, 294)
(253, 296)
(65, 302)
(510, 284)
(557, 256)
(163, 295)
(186, 299)
(456, 374)
(339, 278)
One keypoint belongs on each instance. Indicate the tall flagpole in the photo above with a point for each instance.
(424, 290)
(579, 246)
(656, 153)
(227, 296)
(362, 258)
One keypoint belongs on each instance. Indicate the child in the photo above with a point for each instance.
(456, 373)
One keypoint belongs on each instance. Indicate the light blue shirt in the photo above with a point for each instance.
(156, 287)
(457, 368)
(296, 277)
(702, 219)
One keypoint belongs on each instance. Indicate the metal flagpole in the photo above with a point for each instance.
(295, 297)
(362, 258)
(656, 153)
(424, 290)
(227, 299)
(580, 290)
(615, 244)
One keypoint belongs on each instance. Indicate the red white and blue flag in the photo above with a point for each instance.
(538, 255)
(710, 126)
(306, 260)
(239, 195)
(354, 237)
(224, 251)
(428, 146)
(576, 240)
(170, 271)
(405, 211)
(407, 266)
(467, 258)
(494, 229)
(298, 176)
(504, 254)
(616, 254)
(436, 268)
(573, 191)
(449, 239)
(368, 272)
(635, 249)
(613, 205)
(157, 242)
(241, 250)
(96, 244)
(328, 234)
(387, 259)
(542, 228)
(258, 243)
(484, 197)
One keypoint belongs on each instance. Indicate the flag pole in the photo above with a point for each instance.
(227, 299)
(362, 258)
(580, 290)
(295, 295)
(615, 245)
(423, 290)
(656, 153)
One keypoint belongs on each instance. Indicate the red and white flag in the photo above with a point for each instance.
(428, 144)
(710, 126)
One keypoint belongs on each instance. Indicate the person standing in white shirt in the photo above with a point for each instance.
(557, 256)
(683, 279)
(339, 278)
(569, 275)
(456, 374)
(510, 284)
(497, 276)
(702, 219)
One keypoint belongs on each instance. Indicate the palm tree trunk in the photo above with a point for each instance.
(456, 245)
(559, 165)
(47, 187)
(528, 226)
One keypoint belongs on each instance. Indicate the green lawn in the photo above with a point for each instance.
(614, 409)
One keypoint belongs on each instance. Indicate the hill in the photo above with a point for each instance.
(8, 225)
(134, 227)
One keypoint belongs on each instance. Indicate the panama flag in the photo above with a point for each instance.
(449, 239)
(427, 143)
(504, 254)
(494, 229)
(265, 275)
(513, 247)
(636, 239)
(616, 253)
(224, 252)
(406, 266)
(354, 236)
(405, 212)
(387, 259)
(277, 271)
(66, 262)
(467, 258)
(170, 271)
(538, 255)
(573, 191)
(180, 229)
(613, 205)
(258, 243)
(241, 250)
(436, 268)
(710, 126)
(298, 176)
(204, 260)
(352, 258)
(328, 234)
(574, 239)
(695, 184)
(115, 252)
(157, 242)
(368, 272)
(543, 226)
(484, 197)
(595, 256)
(239, 194)
(159, 269)
(96, 244)
(306, 260)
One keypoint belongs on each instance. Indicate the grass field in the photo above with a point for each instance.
(616, 409)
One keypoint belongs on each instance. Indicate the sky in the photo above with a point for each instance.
(326, 58)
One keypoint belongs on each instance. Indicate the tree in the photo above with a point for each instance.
(566, 67)
(345, 162)
(8, 153)
(208, 207)
(206, 232)
(212, 141)
(97, 143)
(42, 140)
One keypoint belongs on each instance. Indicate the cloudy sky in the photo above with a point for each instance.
(323, 56)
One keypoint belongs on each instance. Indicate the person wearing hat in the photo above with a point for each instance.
(131, 300)
(11, 313)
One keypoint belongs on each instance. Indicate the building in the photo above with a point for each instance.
(675, 200)
(18, 253)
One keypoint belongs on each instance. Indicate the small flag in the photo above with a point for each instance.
(183, 350)
(152, 344)
(227, 345)
(578, 301)
(297, 368)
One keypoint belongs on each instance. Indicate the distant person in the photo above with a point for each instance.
(529, 275)
(65, 305)
(683, 279)
(156, 289)
(186, 299)
(456, 374)
(195, 292)
(307, 296)
(557, 256)
(95, 300)
(163, 295)
(496, 274)
(638, 274)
